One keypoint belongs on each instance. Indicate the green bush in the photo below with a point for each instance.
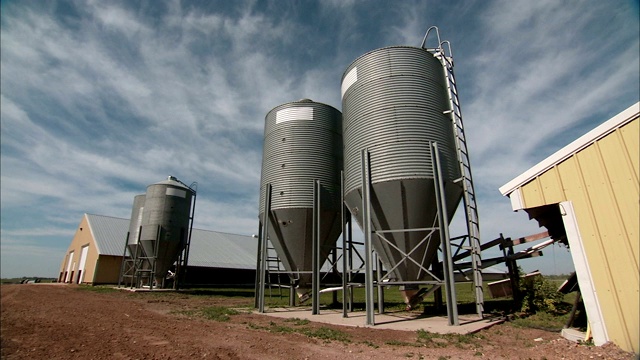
(538, 294)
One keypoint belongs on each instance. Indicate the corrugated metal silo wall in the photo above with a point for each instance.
(135, 222)
(393, 102)
(303, 142)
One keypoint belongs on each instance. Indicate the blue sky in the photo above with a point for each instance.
(101, 98)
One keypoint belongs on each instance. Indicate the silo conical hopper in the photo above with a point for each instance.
(303, 143)
(393, 102)
(134, 225)
(165, 223)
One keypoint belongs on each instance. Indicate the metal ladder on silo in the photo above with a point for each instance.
(469, 197)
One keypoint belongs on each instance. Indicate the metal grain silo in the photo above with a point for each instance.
(303, 143)
(394, 103)
(134, 225)
(165, 223)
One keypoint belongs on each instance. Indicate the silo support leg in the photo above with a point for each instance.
(315, 285)
(292, 292)
(263, 248)
(366, 220)
(258, 266)
(450, 289)
(345, 269)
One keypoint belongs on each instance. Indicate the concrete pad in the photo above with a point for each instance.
(574, 335)
(392, 320)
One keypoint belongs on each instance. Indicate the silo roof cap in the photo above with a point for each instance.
(379, 49)
(172, 180)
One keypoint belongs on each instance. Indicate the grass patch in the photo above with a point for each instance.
(327, 334)
(221, 292)
(273, 327)
(323, 333)
(253, 326)
(97, 289)
(298, 321)
(370, 344)
(541, 320)
(401, 343)
(218, 313)
(429, 339)
(443, 340)
(215, 313)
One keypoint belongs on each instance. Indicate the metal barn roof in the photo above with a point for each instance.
(109, 233)
(208, 248)
(215, 249)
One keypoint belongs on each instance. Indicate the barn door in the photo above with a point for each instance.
(83, 261)
(68, 278)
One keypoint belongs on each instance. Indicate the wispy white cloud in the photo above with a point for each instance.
(38, 232)
(538, 77)
(120, 103)
(22, 257)
(99, 101)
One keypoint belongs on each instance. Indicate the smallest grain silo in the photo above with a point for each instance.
(165, 224)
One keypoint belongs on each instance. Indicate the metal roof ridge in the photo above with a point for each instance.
(93, 235)
(112, 217)
(580, 143)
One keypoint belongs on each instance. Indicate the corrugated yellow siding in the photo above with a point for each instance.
(532, 194)
(108, 268)
(629, 134)
(601, 180)
(551, 187)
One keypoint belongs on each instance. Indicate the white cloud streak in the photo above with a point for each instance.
(98, 105)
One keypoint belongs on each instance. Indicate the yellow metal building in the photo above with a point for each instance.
(96, 252)
(588, 193)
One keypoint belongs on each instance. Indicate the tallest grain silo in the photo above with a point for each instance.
(395, 103)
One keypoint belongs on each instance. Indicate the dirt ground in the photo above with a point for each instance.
(41, 321)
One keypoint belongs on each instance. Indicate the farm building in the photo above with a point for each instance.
(587, 193)
(96, 252)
